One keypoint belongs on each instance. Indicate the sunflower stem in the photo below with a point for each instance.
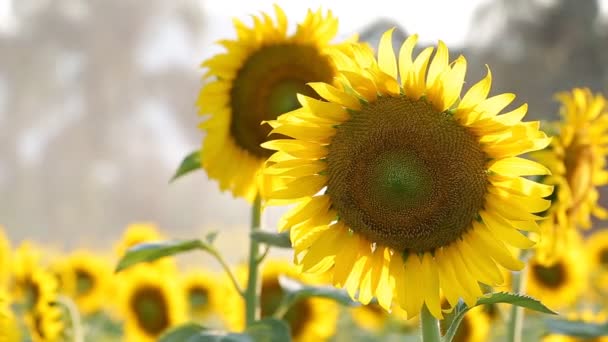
(429, 325)
(227, 269)
(73, 313)
(516, 322)
(251, 293)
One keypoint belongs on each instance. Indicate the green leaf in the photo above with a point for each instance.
(190, 163)
(269, 330)
(493, 298)
(576, 328)
(295, 291)
(515, 299)
(210, 237)
(272, 239)
(155, 250)
(182, 333)
(265, 330)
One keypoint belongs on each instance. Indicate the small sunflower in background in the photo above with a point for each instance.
(402, 189)
(597, 250)
(150, 303)
(202, 291)
(5, 257)
(45, 323)
(9, 329)
(310, 319)
(86, 278)
(374, 318)
(255, 80)
(577, 157)
(475, 327)
(25, 263)
(560, 282)
(137, 233)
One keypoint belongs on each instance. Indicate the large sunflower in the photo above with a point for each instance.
(311, 319)
(557, 283)
(150, 303)
(203, 293)
(577, 157)
(402, 189)
(86, 278)
(257, 79)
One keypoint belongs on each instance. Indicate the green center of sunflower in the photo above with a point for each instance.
(84, 282)
(297, 316)
(198, 297)
(405, 175)
(552, 276)
(151, 310)
(603, 257)
(266, 86)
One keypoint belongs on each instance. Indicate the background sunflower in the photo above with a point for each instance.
(150, 303)
(203, 293)
(256, 79)
(310, 319)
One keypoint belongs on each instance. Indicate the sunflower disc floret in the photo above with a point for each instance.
(402, 188)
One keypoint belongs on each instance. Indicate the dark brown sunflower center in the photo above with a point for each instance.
(552, 276)
(198, 297)
(297, 316)
(578, 163)
(151, 310)
(84, 282)
(266, 86)
(405, 175)
(603, 257)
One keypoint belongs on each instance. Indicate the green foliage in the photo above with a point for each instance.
(576, 328)
(493, 298)
(191, 162)
(295, 291)
(151, 251)
(272, 239)
(265, 330)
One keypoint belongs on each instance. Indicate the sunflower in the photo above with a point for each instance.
(150, 303)
(597, 250)
(86, 278)
(558, 283)
(43, 317)
(202, 291)
(138, 233)
(403, 190)
(310, 319)
(257, 79)
(475, 327)
(5, 255)
(9, 330)
(25, 264)
(577, 156)
(374, 318)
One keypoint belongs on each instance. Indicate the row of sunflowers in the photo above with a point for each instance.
(410, 200)
(51, 296)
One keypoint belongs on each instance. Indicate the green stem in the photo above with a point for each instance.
(251, 293)
(516, 322)
(72, 310)
(226, 268)
(430, 326)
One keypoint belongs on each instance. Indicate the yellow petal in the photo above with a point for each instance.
(438, 64)
(302, 212)
(332, 94)
(414, 286)
(482, 238)
(405, 57)
(477, 93)
(502, 230)
(516, 166)
(430, 277)
(301, 187)
(386, 55)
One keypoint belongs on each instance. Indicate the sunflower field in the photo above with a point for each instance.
(410, 203)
